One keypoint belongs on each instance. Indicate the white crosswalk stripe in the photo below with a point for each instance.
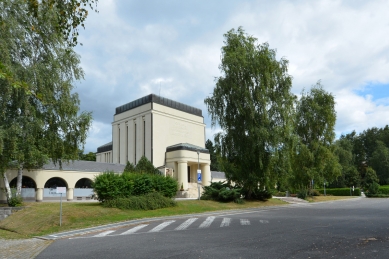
(105, 233)
(186, 224)
(244, 222)
(226, 222)
(162, 226)
(134, 229)
(207, 222)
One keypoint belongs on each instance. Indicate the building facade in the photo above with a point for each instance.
(170, 134)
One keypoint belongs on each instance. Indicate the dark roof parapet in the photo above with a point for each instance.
(159, 100)
(187, 146)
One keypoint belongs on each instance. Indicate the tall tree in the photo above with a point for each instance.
(69, 16)
(212, 153)
(315, 121)
(40, 116)
(253, 105)
(380, 162)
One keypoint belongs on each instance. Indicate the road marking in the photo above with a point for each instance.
(244, 222)
(134, 229)
(186, 224)
(207, 222)
(264, 221)
(162, 226)
(226, 222)
(105, 233)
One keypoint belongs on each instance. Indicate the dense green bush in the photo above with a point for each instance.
(373, 188)
(221, 191)
(384, 189)
(302, 194)
(15, 200)
(341, 191)
(150, 201)
(110, 185)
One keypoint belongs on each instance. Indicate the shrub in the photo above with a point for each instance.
(302, 194)
(221, 191)
(150, 201)
(341, 191)
(384, 190)
(373, 188)
(280, 194)
(110, 185)
(167, 186)
(15, 200)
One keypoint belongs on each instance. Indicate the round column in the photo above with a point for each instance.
(205, 174)
(69, 194)
(39, 194)
(182, 174)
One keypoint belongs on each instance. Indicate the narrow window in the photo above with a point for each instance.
(119, 147)
(144, 137)
(126, 142)
(135, 143)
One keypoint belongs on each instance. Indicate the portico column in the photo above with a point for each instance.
(69, 194)
(39, 194)
(182, 174)
(205, 174)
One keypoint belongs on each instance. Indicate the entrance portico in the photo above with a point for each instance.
(186, 159)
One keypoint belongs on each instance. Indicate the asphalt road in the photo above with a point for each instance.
(357, 228)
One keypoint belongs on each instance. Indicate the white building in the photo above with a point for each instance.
(170, 134)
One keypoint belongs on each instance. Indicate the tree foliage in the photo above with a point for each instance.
(253, 105)
(212, 153)
(314, 157)
(40, 117)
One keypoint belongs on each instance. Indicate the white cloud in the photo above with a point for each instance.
(131, 50)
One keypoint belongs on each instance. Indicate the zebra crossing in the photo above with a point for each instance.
(174, 225)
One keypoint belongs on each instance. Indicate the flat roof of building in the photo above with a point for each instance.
(152, 98)
(85, 166)
(187, 146)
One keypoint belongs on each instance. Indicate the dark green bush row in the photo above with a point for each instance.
(384, 190)
(221, 191)
(341, 191)
(150, 201)
(224, 192)
(110, 185)
(257, 194)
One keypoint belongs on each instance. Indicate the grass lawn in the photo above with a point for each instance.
(42, 218)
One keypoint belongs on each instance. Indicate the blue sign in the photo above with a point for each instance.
(199, 177)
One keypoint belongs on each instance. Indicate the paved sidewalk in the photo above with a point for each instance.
(22, 248)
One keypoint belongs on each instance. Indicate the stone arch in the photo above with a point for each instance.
(27, 182)
(55, 182)
(84, 183)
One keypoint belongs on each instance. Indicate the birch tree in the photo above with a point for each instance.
(253, 104)
(40, 117)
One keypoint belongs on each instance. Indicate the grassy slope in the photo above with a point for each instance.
(43, 218)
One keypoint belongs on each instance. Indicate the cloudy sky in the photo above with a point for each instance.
(172, 48)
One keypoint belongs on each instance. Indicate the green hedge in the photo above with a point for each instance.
(340, 191)
(150, 201)
(110, 185)
(384, 190)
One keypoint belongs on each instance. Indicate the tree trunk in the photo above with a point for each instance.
(7, 188)
(19, 181)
